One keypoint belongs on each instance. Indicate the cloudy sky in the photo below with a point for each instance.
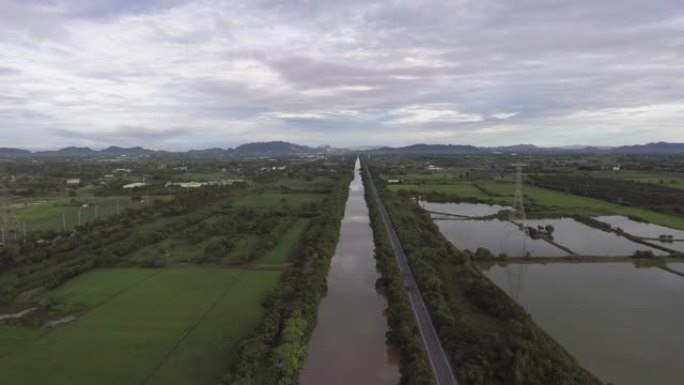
(193, 74)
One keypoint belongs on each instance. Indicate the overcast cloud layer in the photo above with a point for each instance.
(191, 74)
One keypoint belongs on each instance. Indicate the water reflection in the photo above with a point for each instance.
(585, 240)
(349, 345)
(621, 322)
(497, 236)
(463, 209)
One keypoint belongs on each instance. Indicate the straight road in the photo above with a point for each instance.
(441, 367)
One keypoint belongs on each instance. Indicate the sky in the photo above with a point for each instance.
(173, 74)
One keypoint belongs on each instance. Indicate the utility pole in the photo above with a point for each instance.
(63, 222)
(95, 212)
(79, 217)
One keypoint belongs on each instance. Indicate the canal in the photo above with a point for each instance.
(349, 345)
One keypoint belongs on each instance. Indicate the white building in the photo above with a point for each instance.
(134, 185)
(73, 182)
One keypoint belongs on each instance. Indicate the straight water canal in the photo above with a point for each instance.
(349, 345)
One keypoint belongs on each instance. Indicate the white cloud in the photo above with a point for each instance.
(504, 115)
(187, 72)
(422, 114)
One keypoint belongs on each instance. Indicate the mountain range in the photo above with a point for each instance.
(286, 148)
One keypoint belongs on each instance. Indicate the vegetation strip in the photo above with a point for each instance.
(403, 330)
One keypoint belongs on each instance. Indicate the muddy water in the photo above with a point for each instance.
(348, 345)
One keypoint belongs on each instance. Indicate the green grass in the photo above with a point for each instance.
(661, 179)
(204, 176)
(12, 338)
(556, 202)
(432, 178)
(460, 190)
(274, 200)
(177, 326)
(48, 216)
(90, 290)
(287, 243)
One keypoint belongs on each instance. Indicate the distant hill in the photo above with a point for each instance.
(8, 152)
(133, 151)
(651, 148)
(286, 148)
(273, 148)
(429, 149)
(68, 152)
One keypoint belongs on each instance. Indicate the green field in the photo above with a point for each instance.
(12, 338)
(48, 215)
(460, 190)
(167, 326)
(287, 243)
(662, 179)
(275, 200)
(562, 203)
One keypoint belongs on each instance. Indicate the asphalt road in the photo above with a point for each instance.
(441, 367)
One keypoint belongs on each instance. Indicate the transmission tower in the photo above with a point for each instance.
(519, 219)
(518, 215)
(10, 225)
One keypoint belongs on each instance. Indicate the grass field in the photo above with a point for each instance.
(661, 179)
(12, 338)
(561, 203)
(431, 178)
(167, 326)
(287, 243)
(460, 190)
(275, 201)
(48, 215)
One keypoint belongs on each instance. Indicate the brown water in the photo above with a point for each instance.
(348, 345)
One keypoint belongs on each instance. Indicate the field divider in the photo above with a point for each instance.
(192, 327)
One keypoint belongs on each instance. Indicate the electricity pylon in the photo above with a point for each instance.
(519, 219)
(9, 223)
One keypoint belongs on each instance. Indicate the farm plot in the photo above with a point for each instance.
(170, 326)
(460, 190)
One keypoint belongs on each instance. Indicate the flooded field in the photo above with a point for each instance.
(348, 345)
(497, 236)
(621, 322)
(678, 266)
(463, 209)
(640, 229)
(646, 230)
(585, 240)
